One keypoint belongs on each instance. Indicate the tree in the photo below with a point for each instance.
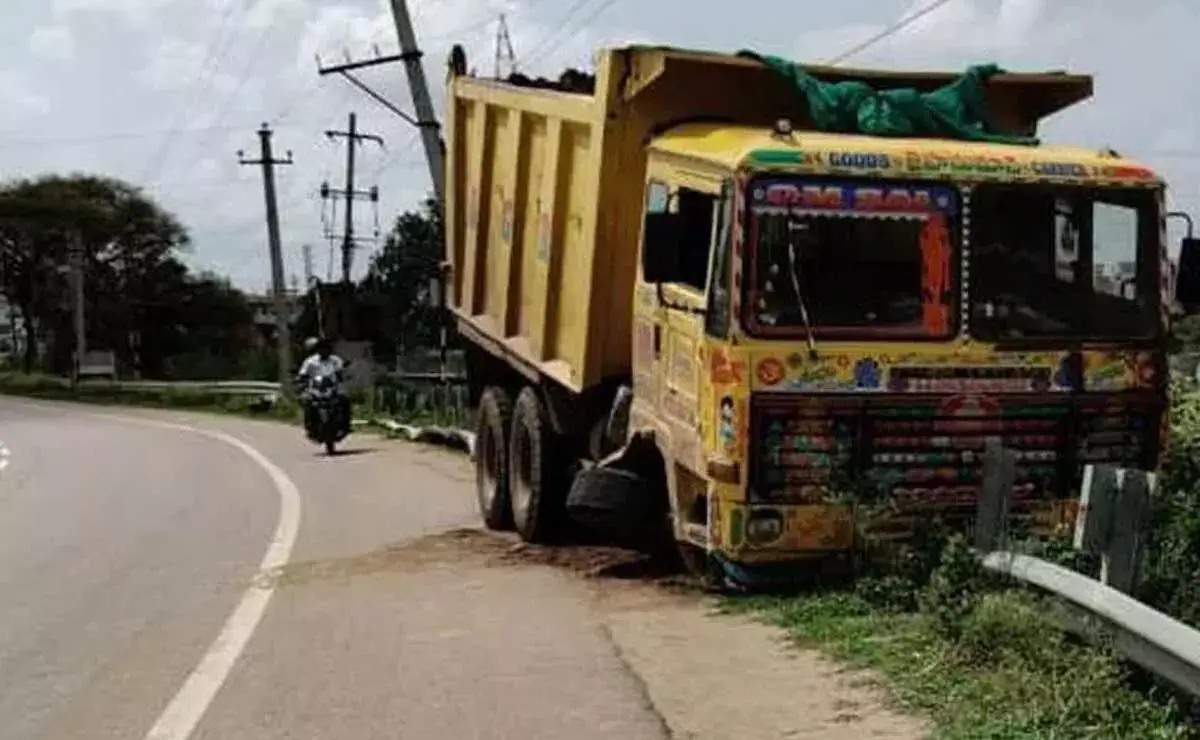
(394, 296)
(141, 300)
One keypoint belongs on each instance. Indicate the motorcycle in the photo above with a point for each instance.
(326, 427)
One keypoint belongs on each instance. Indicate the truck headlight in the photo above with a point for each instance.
(763, 526)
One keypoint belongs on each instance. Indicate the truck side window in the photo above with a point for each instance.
(658, 197)
(718, 309)
(696, 211)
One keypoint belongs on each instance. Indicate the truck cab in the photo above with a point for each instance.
(825, 321)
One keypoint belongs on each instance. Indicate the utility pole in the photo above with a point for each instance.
(425, 120)
(279, 290)
(410, 53)
(352, 136)
(77, 294)
(306, 250)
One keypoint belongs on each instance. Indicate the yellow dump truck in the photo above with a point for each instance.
(685, 302)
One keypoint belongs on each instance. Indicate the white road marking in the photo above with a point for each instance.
(184, 712)
(3, 456)
(179, 719)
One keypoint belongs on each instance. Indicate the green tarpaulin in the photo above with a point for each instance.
(954, 111)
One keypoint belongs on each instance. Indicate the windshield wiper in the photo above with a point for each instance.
(794, 270)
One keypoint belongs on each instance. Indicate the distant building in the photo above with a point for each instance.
(264, 317)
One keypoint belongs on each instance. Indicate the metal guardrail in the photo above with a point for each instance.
(1113, 508)
(222, 386)
(1149, 638)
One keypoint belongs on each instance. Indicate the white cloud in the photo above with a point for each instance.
(138, 13)
(174, 64)
(52, 42)
(18, 96)
(265, 13)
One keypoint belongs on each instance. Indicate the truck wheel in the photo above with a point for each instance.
(491, 458)
(536, 504)
(618, 504)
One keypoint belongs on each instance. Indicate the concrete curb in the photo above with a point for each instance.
(456, 439)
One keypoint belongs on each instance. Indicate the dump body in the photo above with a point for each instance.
(545, 189)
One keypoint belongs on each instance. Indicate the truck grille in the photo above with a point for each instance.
(927, 453)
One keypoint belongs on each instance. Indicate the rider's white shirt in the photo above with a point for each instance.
(313, 366)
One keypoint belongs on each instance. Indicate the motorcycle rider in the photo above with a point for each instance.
(321, 361)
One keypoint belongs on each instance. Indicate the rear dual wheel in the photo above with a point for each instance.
(491, 458)
(535, 472)
(517, 476)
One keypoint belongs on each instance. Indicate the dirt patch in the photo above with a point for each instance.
(490, 549)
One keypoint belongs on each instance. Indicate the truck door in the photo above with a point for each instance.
(669, 332)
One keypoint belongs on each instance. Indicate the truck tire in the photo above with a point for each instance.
(491, 458)
(536, 499)
(618, 504)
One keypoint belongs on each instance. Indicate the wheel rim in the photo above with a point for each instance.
(522, 488)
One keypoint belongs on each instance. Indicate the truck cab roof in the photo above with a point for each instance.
(738, 147)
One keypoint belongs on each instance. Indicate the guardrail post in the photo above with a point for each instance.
(991, 518)
(1093, 523)
(1122, 557)
(1113, 506)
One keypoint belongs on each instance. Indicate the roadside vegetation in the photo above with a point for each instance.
(986, 659)
(982, 659)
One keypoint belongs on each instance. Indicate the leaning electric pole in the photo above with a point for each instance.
(425, 120)
(353, 138)
(278, 287)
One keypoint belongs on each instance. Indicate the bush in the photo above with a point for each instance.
(1171, 574)
(953, 588)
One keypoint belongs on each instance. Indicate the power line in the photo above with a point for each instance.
(10, 142)
(536, 51)
(890, 30)
(299, 191)
(298, 93)
(221, 107)
(555, 46)
(157, 161)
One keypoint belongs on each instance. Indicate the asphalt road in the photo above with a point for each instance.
(133, 603)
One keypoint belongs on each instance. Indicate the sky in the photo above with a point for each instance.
(163, 93)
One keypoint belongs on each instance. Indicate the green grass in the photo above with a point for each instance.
(981, 662)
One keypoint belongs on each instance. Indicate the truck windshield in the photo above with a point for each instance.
(851, 258)
(1063, 263)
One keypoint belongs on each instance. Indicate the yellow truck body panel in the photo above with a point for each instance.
(545, 188)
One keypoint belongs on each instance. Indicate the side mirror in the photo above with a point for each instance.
(1187, 281)
(660, 248)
